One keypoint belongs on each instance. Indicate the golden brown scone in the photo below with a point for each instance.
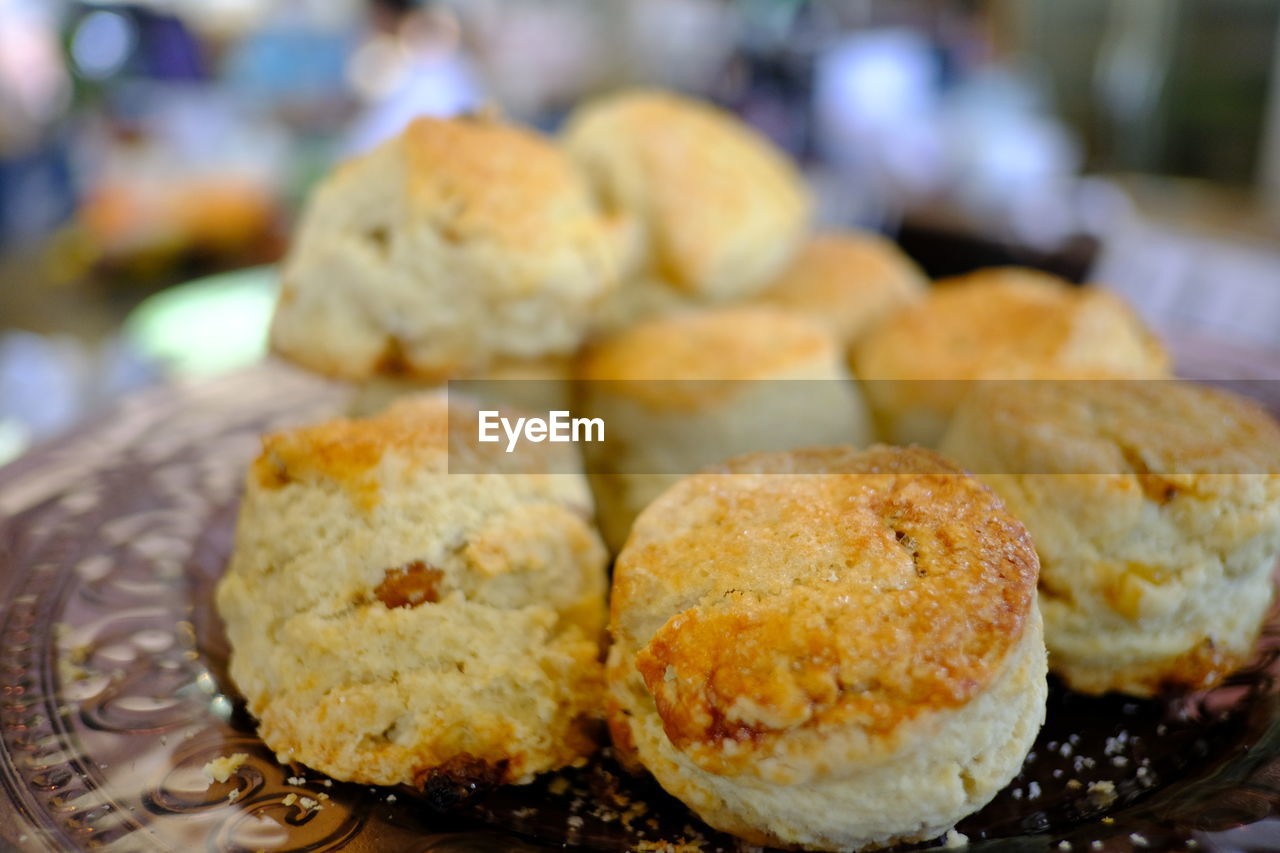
(394, 623)
(458, 244)
(849, 281)
(716, 210)
(827, 648)
(685, 391)
(1002, 323)
(1155, 507)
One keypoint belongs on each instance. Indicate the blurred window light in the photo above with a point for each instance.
(879, 77)
(102, 42)
(876, 96)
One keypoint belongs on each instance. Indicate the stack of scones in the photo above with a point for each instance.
(812, 639)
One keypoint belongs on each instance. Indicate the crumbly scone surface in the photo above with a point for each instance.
(391, 622)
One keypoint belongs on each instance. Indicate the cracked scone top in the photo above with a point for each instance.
(392, 623)
(826, 647)
(458, 244)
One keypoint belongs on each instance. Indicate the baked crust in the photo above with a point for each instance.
(732, 343)
(394, 623)
(1155, 506)
(717, 210)
(682, 392)
(1012, 323)
(1001, 323)
(457, 245)
(849, 281)
(859, 599)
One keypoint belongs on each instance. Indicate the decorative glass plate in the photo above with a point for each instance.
(114, 694)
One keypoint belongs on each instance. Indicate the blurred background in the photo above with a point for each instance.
(145, 146)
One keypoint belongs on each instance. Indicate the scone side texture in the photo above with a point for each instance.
(954, 763)
(1009, 322)
(453, 621)
(728, 343)
(1155, 507)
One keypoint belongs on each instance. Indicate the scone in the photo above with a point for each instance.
(682, 392)
(850, 281)
(639, 298)
(1002, 323)
(715, 210)
(827, 648)
(392, 623)
(458, 244)
(1155, 507)
(535, 385)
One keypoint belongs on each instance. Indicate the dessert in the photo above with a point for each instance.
(850, 281)
(455, 246)
(827, 648)
(715, 211)
(689, 390)
(1155, 507)
(1000, 323)
(394, 623)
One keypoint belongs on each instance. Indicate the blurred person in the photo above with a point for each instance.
(928, 118)
(876, 96)
(411, 63)
(35, 91)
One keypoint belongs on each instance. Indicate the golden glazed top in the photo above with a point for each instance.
(780, 612)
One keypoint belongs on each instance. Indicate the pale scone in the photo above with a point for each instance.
(685, 391)
(639, 298)
(850, 281)
(827, 648)
(715, 210)
(458, 244)
(1001, 323)
(535, 385)
(394, 623)
(1155, 507)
